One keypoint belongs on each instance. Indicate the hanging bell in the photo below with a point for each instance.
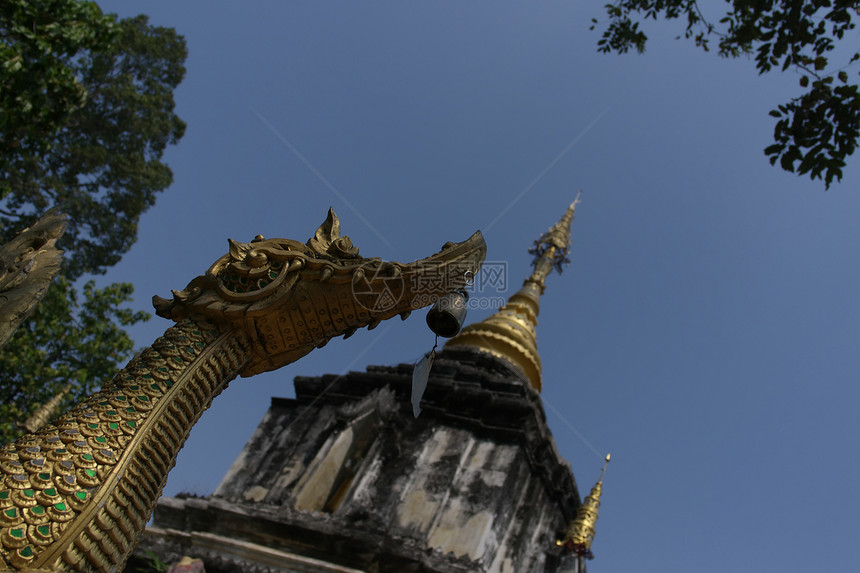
(447, 315)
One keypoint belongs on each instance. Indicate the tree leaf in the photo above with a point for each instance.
(779, 35)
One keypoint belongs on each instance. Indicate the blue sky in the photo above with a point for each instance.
(706, 331)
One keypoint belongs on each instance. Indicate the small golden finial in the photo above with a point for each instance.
(580, 532)
(510, 333)
(46, 411)
(551, 250)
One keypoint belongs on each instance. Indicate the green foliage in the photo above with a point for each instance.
(64, 341)
(148, 564)
(86, 113)
(98, 161)
(820, 128)
(39, 87)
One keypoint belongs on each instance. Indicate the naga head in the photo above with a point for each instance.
(292, 297)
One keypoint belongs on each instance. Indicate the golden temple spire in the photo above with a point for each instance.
(580, 532)
(510, 333)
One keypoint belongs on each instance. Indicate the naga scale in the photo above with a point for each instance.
(76, 494)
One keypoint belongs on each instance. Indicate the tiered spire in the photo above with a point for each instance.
(510, 332)
(580, 532)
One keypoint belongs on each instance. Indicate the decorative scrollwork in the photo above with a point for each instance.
(252, 272)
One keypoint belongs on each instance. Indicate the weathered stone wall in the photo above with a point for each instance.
(345, 474)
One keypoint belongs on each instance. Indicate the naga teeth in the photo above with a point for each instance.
(373, 324)
(326, 274)
(350, 332)
(359, 274)
(405, 314)
(295, 265)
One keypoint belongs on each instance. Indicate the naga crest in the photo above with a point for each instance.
(292, 297)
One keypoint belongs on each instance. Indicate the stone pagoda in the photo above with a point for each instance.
(343, 478)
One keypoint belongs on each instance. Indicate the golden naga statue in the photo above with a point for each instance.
(76, 494)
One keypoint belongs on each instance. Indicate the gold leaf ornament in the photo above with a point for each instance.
(327, 239)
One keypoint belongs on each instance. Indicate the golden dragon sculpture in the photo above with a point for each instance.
(76, 494)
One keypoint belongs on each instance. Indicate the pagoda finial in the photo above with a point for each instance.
(580, 532)
(510, 333)
(551, 250)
